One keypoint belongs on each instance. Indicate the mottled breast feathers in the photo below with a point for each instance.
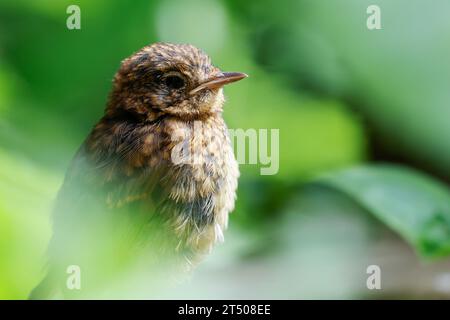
(184, 171)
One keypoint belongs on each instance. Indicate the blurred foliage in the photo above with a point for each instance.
(396, 77)
(341, 96)
(410, 203)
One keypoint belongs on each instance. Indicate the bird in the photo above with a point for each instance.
(156, 174)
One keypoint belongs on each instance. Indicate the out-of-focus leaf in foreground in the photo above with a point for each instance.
(414, 205)
(26, 195)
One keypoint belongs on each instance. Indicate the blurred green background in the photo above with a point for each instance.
(364, 120)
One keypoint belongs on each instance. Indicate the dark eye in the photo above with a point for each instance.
(174, 82)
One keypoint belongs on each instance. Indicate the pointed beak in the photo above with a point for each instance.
(219, 81)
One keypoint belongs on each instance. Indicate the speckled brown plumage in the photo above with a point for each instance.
(166, 100)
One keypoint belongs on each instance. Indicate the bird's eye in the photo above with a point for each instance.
(174, 82)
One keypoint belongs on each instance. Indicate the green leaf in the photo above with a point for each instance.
(411, 203)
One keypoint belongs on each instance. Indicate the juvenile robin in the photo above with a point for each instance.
(159, 161)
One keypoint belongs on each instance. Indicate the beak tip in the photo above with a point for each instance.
(235, 75)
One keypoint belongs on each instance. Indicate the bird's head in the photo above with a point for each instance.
(169, 79)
